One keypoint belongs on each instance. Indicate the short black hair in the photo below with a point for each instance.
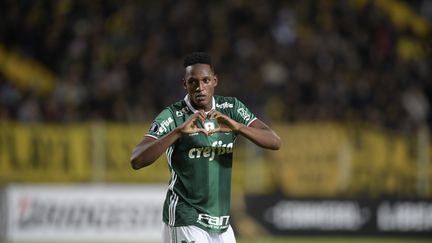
(197, 57)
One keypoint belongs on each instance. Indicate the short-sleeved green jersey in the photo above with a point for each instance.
(200, 186)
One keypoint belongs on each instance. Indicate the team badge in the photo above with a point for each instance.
(209, 125)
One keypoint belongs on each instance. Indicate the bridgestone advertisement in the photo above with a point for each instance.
(83, 213)
(282, 216)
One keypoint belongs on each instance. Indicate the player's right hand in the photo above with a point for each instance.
(191, 124)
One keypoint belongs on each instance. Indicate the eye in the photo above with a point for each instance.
(192, 82)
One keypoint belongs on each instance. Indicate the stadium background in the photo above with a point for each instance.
(346, 84)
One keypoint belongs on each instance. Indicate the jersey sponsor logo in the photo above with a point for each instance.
(224, 105)
(164, 126)
(244, 114)
(217, 148)
(181, 112)
(213, 221)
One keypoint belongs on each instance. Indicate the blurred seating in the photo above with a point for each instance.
(312, 60)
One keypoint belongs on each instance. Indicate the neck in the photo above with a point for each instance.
(205, 108)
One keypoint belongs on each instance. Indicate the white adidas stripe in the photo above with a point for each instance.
(172, 207)
(173, 197)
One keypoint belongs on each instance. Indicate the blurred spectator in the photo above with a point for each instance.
(302, 60)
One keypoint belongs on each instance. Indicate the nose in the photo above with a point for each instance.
(200, 86)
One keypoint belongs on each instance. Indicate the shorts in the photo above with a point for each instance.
(194, 234)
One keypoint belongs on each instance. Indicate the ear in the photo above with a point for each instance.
(216, 80)
(184, 84)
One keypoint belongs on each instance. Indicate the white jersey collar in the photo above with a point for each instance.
(188, 103)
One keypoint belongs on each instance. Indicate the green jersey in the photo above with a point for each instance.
(200, 186)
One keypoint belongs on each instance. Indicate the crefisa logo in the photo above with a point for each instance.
(217, 148)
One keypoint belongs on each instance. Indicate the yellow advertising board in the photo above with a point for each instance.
(312, 160)
(73, 153)
(119, 141)
(33, 152)
(315, 160)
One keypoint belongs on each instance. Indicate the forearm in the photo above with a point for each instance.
(263, 137)
(145, 153)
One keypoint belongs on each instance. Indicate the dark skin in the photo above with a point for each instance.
(200, 81)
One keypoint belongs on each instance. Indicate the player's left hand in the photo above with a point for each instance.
(226, 124)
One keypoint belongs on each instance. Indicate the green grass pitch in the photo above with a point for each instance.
(337, 240)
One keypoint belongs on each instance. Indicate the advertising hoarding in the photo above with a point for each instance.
(84, 212)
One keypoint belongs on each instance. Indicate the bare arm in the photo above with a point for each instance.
(150, 149)
(257, 132)
(260, 134)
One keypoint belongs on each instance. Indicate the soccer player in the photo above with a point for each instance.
(198, 134)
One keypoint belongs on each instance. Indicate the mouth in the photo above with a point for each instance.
(200, 97)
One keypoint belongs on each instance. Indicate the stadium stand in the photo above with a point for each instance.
(314, 60)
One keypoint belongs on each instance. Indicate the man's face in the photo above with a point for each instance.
(200, 81)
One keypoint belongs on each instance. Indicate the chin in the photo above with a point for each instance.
(201, 103)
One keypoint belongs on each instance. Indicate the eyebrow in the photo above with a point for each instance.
(203, 77)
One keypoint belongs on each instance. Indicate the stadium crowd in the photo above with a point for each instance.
(288, 60)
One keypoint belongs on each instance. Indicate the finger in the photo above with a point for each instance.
(196, 117)
(211, 114)
(202, 130)
(213, 131)
(195, 123)
(201, 114)
(216, 115)
(225, 129)
(193, 118)
(220, 129)
(224, 119)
